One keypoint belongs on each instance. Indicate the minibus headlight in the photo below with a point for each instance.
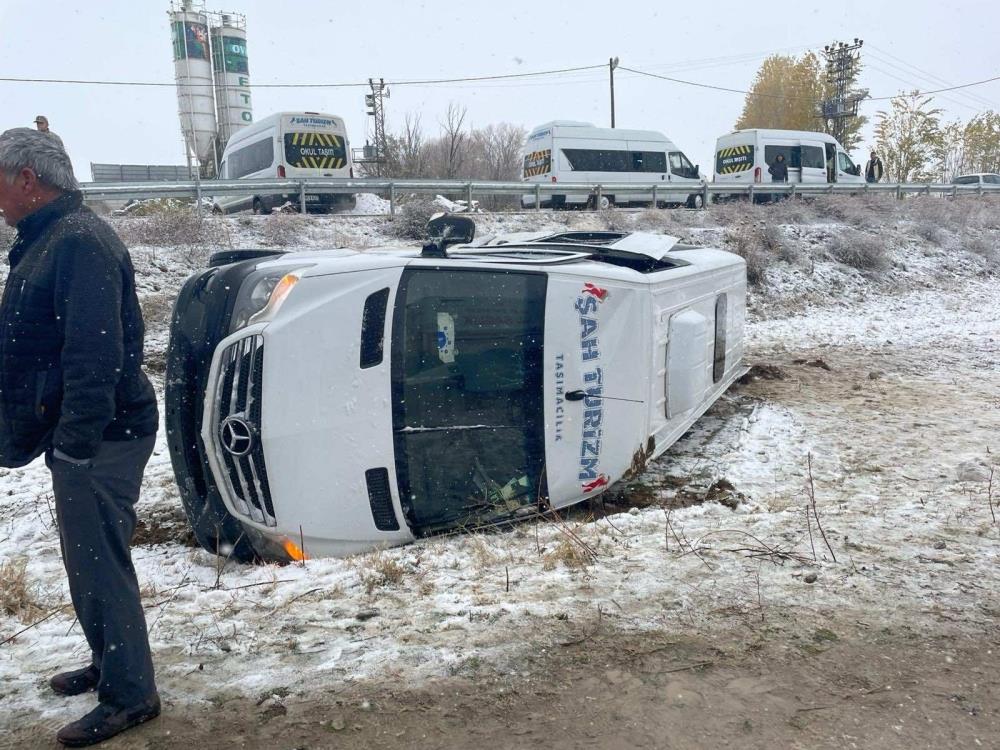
(263, 290)
(277, 297)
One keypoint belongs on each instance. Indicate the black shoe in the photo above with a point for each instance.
(76, 682)
(105, 721)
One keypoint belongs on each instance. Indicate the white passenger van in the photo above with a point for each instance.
(292, 145)
(329, 402)
(743, 157)
(565, 151)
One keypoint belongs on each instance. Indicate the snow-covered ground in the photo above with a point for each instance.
(886, 392)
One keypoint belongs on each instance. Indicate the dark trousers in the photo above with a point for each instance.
(95, 509)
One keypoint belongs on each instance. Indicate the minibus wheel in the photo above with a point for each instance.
(696, 201)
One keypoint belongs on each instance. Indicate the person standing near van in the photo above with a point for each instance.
(72, 388)
(42, 124)
(779, 169)
(874, 169)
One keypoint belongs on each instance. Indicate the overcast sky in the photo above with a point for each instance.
(919, 44)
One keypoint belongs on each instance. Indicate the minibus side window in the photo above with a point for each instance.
(719, 360)
(680, 165)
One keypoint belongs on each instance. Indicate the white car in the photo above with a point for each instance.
(327, 403)
(979, 178)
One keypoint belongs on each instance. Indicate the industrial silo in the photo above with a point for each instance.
(193, 73)
(232, 75)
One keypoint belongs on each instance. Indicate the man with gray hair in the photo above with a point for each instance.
(72, 388)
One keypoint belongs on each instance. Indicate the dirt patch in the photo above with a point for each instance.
(762, 371)
(835, 686)
(164, 527)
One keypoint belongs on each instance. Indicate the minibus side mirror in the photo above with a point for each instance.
(446, 229)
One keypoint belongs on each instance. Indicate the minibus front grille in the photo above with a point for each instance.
(238, 429)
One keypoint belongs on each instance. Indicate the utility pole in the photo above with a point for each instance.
(842, 67)
(612, 64)
(374, 102)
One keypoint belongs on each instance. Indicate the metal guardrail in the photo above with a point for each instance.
(535, 191)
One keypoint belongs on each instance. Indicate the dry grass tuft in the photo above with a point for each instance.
(861, 251)
(485, 555)
(568, 553)
(930, 232)
(410, 222)
(283, 229)
(378, 570)
(614, 221)
(988, 246)
(758, 244)
(18, 597)
(179, 227)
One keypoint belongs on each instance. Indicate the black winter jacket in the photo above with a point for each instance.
(71, 337)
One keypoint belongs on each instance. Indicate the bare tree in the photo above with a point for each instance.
(953, 151)
(498, 149)
(455, 141)
(406, 152)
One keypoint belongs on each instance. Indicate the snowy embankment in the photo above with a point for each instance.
(878, 401)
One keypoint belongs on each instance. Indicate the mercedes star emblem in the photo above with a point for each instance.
(237, 436)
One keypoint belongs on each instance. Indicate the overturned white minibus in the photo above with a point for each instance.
(331, 402)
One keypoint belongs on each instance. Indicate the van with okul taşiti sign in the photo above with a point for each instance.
(287, 145)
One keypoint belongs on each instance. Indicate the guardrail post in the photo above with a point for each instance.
(302, 197)
(791, 192)
(750, 192)
(597, 197)
(654, 195)
(899, 191)
(392, 201)
(928, 188)
(704, 195)
(197, 197)
(468, 198)
(954, 191)
(538, 197)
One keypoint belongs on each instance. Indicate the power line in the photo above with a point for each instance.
(472, 79)
(800, 98)
(911, 84)
(939, 91)
(969, 99)
(716, 88)
(417, 82)
(924, 74)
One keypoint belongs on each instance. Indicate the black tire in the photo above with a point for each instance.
(195, 330)
(695, 200)
(218, 210)
(606, 202)
(259, 207)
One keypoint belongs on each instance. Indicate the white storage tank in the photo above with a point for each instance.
(232, 75)
(193, 73)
